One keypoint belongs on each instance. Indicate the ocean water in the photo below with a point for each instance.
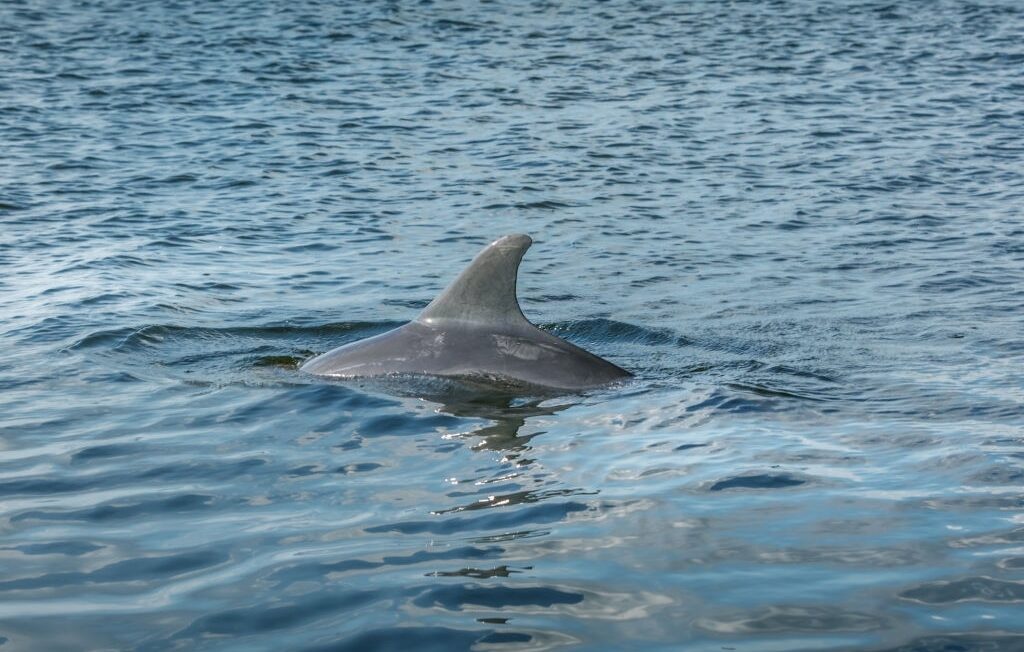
(801, 224)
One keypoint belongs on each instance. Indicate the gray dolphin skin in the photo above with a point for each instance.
(476, 330)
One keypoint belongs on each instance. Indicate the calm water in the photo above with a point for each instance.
(799, 223)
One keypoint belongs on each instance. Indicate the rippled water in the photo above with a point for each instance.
(799, 223)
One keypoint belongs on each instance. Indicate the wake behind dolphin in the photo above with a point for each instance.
(474, 329)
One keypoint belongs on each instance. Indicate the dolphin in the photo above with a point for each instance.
(474, 330)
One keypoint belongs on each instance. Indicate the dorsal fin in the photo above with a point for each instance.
(485, 292)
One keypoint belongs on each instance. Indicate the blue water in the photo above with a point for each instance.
(799, 223)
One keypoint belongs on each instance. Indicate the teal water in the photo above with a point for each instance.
(798, 223)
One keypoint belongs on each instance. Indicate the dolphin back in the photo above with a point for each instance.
(474, 329)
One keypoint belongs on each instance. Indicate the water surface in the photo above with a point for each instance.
(799, 223)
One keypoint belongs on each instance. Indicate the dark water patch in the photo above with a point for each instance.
(176, 242)
(49, 329)
(651, 280)
(397, 425)
(970, 589)
(207, 471)
(962, 642)
(413, 304)
(101, 299)
(281, 361)
(683, 447)
(141, 569)
(758, 481)
(493, 621)
(232, 184)
(321, 570)
(456, 597)
(87, 163)
(999, 475)
(751, 401)
(802, 373)
(114, 261)
(209, 285)
(104, 452)
(46, 485)
(180, 178)
(123, 511)
(69, 548)
(305, 470)
(769, 392)
(476, 573)
(311, 246)
(328, 397)
(544, 513)
(953, 282)
(547, 204)
(361, 467)
(401, 639)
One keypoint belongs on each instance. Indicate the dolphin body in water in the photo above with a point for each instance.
(474, 330)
